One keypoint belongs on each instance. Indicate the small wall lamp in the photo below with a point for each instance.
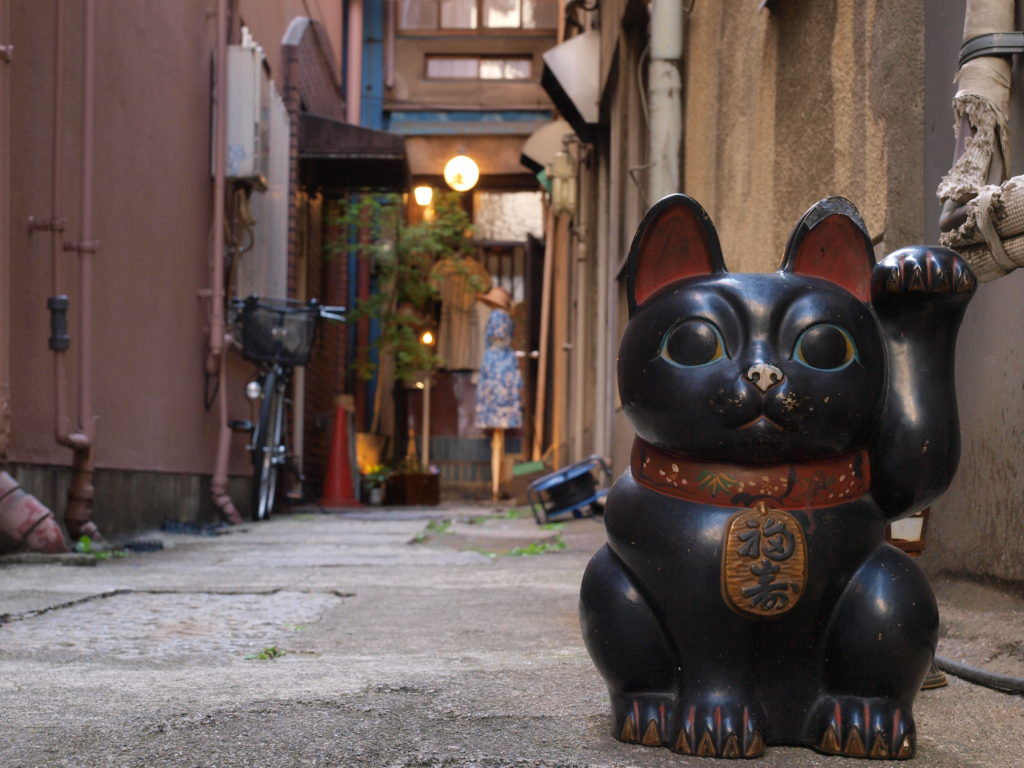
(423, 195)
(562, 173)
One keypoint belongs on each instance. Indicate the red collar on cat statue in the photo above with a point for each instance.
(784, 486)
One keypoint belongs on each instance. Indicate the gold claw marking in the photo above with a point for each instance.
(893, 283)
(906, 750)
(651, 736)
(854, 746)
(706, 747)
(829, 742)
(756, 748)
(683, 744)
(879, 749)
(965, 283)
(916, 279)
(628, 733)
(732, 747)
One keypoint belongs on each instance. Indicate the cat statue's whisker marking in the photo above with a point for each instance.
(745, 586)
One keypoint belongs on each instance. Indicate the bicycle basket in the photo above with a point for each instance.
(273, 332)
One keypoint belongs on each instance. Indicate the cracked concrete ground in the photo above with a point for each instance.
(433, 653)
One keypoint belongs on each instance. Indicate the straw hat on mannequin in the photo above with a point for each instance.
(498, 298)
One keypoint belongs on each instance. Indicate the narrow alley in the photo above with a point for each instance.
(413, 637)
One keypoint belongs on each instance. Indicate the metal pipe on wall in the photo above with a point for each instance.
(665, 98)
(581, 374)
(602, 393)
(6, 53)
(78, 517)
(354, 65)
(216, 360)
(540, 400)
(61, 427)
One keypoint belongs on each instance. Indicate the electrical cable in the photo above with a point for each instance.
(1004, 683)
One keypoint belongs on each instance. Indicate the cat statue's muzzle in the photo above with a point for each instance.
(764, 376)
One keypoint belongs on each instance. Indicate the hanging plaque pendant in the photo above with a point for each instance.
(764, 561)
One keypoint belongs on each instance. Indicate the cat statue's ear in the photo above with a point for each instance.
(675, 240)
(831, 242)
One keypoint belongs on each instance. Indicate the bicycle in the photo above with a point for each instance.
(277, 335)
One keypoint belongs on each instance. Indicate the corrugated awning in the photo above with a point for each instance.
(338, 155)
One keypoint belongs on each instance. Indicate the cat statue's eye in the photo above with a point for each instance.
(825, 347)
(692, 343)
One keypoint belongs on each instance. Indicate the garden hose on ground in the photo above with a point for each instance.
(992, 680)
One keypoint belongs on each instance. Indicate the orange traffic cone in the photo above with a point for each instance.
(338, 491)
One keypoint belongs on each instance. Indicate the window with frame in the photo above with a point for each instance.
(478, 14)
(479, 67)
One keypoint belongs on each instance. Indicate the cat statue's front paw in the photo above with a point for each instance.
(719, 729)
(923, 270)
(857, 727)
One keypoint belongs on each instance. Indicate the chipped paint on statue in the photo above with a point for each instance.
(746, 596)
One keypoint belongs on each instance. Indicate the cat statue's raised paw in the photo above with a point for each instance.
(746, 595)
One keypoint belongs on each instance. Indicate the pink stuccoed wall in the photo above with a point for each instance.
(152, 220)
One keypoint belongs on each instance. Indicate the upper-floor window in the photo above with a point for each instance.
(479, 14)
(479, 67)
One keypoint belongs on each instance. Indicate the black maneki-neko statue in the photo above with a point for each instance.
(746, 595)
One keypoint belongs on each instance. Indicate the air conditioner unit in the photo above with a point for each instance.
(248, 108)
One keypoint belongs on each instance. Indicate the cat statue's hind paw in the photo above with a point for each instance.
(853, 727)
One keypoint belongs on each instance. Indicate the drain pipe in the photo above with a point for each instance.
(354, 63)
(78, 517)
(6, 55)
(216, 362)
(665, 97)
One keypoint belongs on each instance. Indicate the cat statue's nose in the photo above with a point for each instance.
(764, 376)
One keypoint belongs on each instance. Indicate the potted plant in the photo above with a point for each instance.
(373, 482)
(404, 304)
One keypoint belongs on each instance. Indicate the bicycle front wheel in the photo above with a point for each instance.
(265, 449)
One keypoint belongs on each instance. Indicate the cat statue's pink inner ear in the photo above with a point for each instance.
(837, 250)
(675, 242)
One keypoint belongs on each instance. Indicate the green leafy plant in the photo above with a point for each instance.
(85, 546)
(402, 257)
(377, 475)
(434, 528)
(539, 547)
(269, 653)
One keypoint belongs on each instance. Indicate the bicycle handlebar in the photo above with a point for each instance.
(336, 314)
(333, 313)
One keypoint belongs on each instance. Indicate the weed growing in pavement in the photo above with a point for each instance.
(534, 548)
(552, 526)
(84, 546)
(434, 528)
(539, 547)
(513, 513)
(269, 653)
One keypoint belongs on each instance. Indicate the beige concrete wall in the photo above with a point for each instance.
(413, 90)
(152, 220)
(977, 526)
(782, 109)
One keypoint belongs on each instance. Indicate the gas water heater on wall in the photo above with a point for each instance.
(248, 107)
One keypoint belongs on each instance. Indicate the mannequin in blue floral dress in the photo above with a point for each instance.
(498, 403)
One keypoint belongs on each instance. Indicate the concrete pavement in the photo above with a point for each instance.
(405, 640)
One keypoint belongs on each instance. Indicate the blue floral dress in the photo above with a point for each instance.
(498, 402)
